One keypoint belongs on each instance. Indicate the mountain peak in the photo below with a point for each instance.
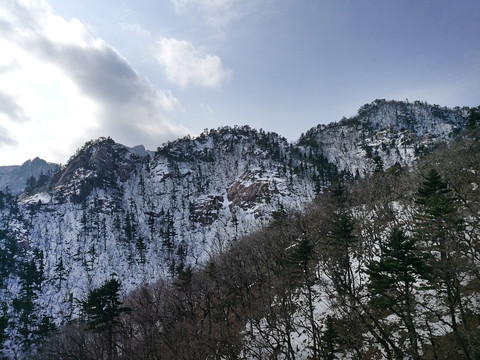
(98, 164)
(387, 131)
(417, 116)
(14, 178)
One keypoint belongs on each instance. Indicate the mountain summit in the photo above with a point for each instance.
(388, 131)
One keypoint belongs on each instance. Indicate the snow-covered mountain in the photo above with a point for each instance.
(137, 215)
(14, 178)
(386, 133)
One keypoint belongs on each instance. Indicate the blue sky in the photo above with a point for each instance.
(146, 72)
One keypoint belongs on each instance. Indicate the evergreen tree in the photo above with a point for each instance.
(31, 185)
(393, 278)
(103, 308)
(435, 197)
(329, 341)
(2, 200)
(341, 240)
(473, 119)
(30, 279)
(9, 251)
(3, 326)
(378, 164)
(141, 246)
(339, 252)
(45, 328)
(438, 226)
(60, 271)
(299, 263)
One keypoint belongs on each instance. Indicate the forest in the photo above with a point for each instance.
(381, 267)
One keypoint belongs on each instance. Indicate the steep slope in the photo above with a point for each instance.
(366, 272)
(114, 213)
(377, 279)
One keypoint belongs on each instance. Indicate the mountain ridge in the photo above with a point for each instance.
(144, 216)
(383, 126)
(381, 118)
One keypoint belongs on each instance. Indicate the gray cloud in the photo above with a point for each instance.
(18, 15)
(131, 109)
(9, 67)
(10, 107)
(6, 138)
(100, 72)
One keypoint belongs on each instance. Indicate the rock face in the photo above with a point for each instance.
(101, 162)
(207, 209)
(141, 216)
(250, 187)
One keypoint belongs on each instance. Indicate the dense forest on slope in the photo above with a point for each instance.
(381, 267)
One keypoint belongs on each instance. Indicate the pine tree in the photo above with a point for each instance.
(2, 200)
(9, 252)
(339, 252)
(3, 325)
(30, 273)
(435, 197)
(393, 278)
(437, 225)
(299, 263)
(103, 308)
(141, 247)
(341, 240)
(31, 185)
(473, 119)
(329, 340)
(378, 164)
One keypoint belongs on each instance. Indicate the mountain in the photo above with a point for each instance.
(390, 132)
(14, 178)
(384, 267)
(114, 211)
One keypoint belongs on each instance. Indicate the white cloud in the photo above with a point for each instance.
(60, 86)
(216, 14)
(185, 65)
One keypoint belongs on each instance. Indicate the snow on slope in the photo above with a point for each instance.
(396, 132)
(117, 213)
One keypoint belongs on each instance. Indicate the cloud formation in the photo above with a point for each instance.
(216, 14)
(5, 137)
(124, 105)
(10, 107)
(185, 65)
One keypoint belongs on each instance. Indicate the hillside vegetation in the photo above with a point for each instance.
(382, 267)
(239, 244)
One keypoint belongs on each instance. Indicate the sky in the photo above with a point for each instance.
(149, 71)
